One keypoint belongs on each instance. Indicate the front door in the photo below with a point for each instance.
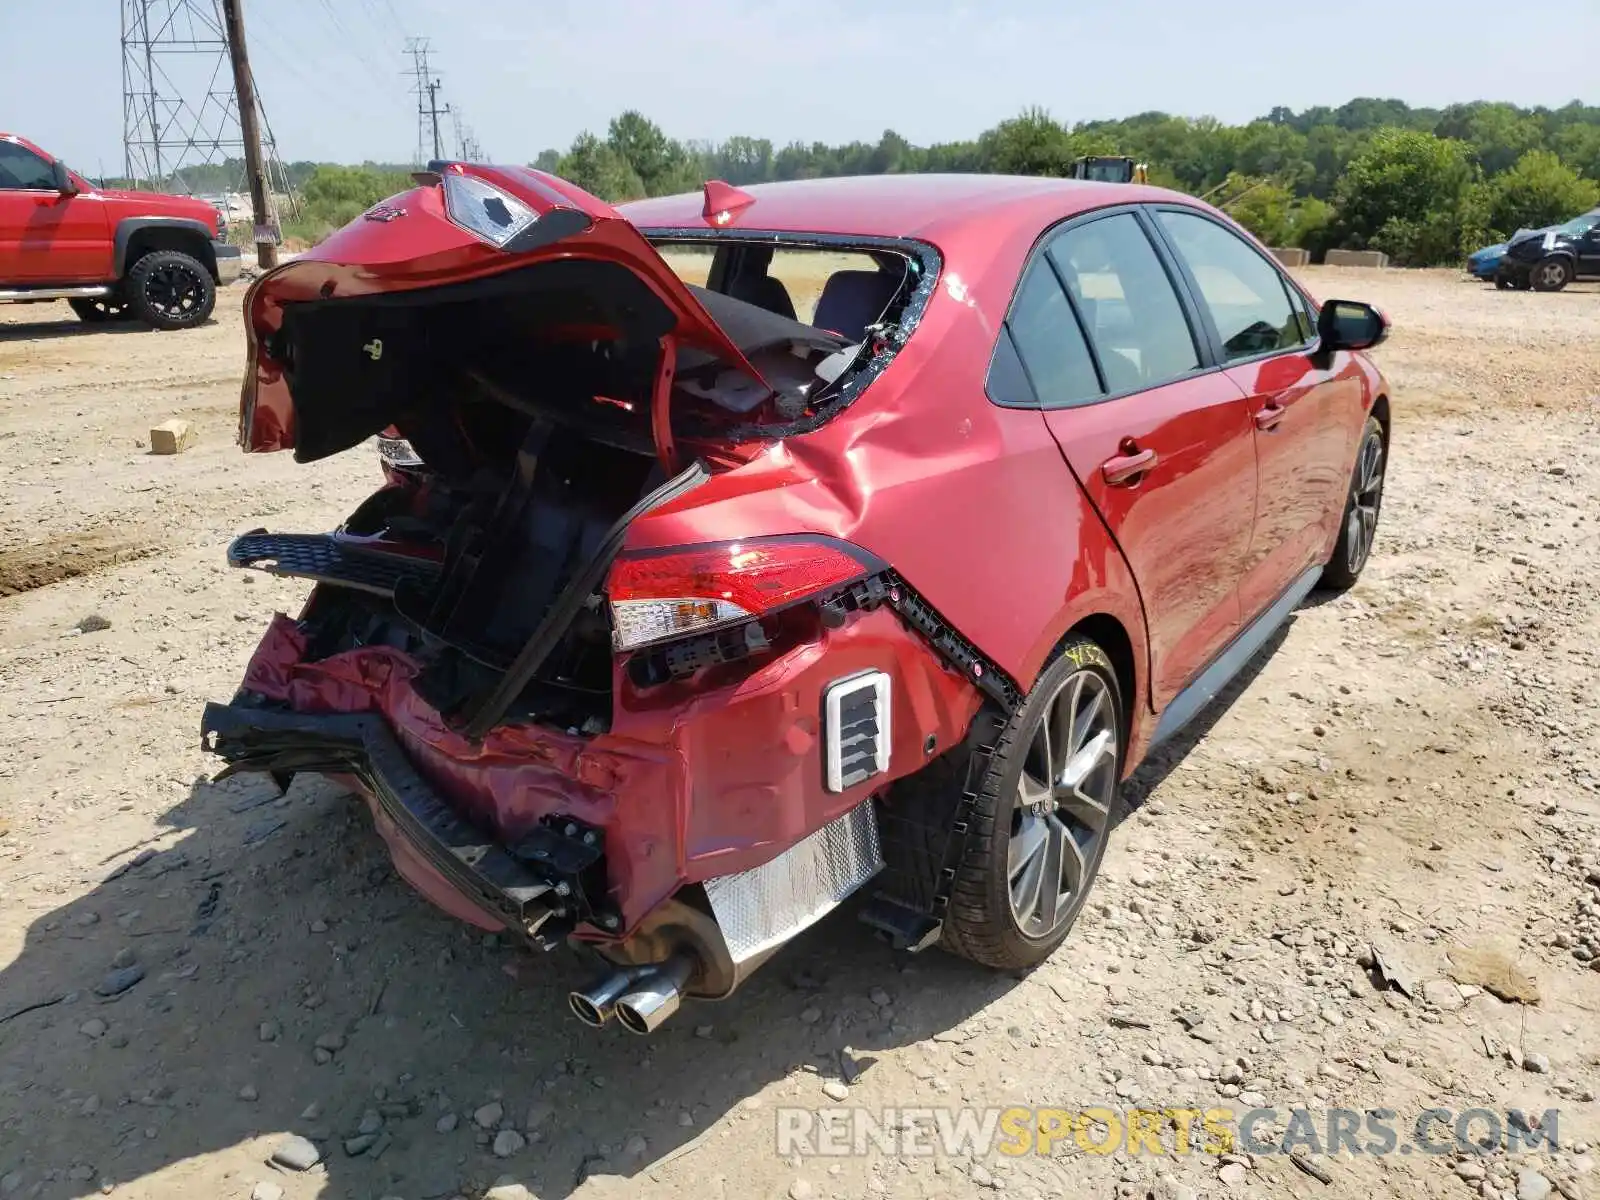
(1305, 408)
(48, 236)
(1588, 248)
(1161, 445)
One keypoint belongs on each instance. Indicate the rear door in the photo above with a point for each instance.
(1160, 442)
(47, 236)
(1306, 408)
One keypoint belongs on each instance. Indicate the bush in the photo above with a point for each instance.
(1539, 190)
(1403, 194)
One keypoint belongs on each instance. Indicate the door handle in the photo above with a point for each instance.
(1267, 419)
(1127, 468)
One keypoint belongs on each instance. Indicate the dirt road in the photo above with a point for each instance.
(1416, 765)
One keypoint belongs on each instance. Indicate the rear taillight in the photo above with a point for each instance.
(666, 594)
(396, 451)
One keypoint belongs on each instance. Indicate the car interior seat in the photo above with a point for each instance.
(853, 300)
(763, 291)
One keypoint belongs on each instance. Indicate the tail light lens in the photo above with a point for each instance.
(663, 595)
(484, 210)
(396, 451)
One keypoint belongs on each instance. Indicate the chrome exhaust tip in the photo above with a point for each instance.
(656, 995)
(595, 1004)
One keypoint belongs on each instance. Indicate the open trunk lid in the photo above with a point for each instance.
(321, 386)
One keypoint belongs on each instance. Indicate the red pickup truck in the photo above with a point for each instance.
(110, 254)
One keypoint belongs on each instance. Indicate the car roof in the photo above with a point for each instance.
(930, 207)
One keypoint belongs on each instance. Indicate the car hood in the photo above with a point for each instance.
(157, 205)
(1524, 235)
(410, 242)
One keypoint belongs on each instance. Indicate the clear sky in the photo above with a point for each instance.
(531, 75)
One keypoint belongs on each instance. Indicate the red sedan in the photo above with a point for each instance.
(742, 550)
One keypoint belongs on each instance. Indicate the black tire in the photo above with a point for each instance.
(1358, 524)
(170, 290)
(98, 311)
(1551, 275)
(1503, 284)
(983, 923)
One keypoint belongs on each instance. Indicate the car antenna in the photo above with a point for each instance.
(723, 200)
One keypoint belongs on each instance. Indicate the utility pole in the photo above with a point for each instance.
(433, 111)
(266, 232)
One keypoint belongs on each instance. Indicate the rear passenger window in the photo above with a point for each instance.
(1007, 384)
(1247, 298)
(1051, 345)
(1127, 302)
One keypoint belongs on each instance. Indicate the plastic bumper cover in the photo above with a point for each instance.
(432, 837)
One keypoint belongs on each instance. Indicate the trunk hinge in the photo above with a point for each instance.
(661, 407)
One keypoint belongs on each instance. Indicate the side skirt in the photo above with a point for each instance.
(1189, 703)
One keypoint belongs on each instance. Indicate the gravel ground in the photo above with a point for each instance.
(195, 977)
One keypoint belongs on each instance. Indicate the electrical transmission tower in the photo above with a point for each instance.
(179, 108)
(467, 148)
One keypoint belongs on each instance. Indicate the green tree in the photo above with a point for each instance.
(596, 167)
(549, 161)
(1031, 144)
(1263, 206)
(1403, 196)
(662, 165)
(1499, 134)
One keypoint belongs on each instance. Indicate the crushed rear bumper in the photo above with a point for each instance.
(538, 887)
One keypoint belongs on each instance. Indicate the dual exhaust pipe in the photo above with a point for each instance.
(641, 998)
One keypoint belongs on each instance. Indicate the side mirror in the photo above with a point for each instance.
(63, 178)
(1351, 325)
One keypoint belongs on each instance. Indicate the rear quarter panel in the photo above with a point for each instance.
(969, 502)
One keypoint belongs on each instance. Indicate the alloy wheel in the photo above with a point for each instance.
(1552, 275)
(1063, 803)
(1366, 495)
(174, 290)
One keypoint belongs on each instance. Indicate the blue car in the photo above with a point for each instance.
(1482, 264)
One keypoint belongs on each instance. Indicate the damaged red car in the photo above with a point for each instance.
(745, 550)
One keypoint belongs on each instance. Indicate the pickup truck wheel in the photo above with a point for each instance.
(1551, 275)
(1358, 527)
(93, 312)
(170, 290)
(1046, 805)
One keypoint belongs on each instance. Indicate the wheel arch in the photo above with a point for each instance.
(1380, 412)
(137, 236)
(1114, 620)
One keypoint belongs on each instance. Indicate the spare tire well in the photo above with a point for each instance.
(140, 236)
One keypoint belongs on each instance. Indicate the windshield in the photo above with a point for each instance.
(1579, 226)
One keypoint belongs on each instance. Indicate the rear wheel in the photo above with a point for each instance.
(1551, 275)
(100, 309)
(1046, 806)
(1359, 527)
(170, 290)
(1504, 284)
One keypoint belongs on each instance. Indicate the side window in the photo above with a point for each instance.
(1008, 384)
(1247, 298)
(1127, 302)
(20, 168)
(1050, 343)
